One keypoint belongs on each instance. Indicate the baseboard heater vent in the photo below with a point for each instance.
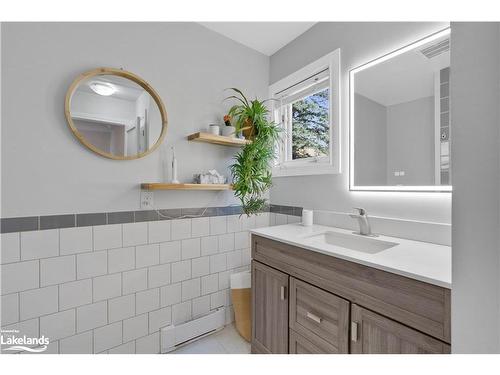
(175, 336)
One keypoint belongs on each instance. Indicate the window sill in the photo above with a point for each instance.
(304, 170)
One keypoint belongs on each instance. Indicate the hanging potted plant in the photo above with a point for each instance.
(251, 170)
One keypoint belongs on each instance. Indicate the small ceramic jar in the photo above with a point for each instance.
(229, 131)
(214, 129)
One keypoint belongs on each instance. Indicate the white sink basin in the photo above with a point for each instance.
(355, 242)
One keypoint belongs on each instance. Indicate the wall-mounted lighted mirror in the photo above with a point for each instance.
(115, 113)
(399, 119)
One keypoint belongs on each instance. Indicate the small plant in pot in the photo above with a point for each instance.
(228, 130)
(251, 170)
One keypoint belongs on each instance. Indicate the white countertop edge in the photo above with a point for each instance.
(412, 275)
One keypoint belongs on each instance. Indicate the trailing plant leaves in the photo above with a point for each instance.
(251, 170)
(243, 97)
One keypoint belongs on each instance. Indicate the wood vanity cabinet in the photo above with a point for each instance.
(269, 310)
(307, 302)
(319, 316)
(375, 334)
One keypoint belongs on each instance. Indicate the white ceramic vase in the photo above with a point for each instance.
(214, 129)
(229, 131)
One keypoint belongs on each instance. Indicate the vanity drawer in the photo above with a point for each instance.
(301, 345)
(422, 306)
(314, 312)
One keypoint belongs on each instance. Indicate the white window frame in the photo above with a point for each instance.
(311, 166)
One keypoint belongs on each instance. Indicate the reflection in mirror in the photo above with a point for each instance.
(115, 116)
(400, 125)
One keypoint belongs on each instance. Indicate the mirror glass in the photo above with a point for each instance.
(115, 116)
(399, 120)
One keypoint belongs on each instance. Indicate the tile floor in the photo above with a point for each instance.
(227, 341)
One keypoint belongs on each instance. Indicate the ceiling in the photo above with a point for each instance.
(265, 37)
(401, 79)
(125, 88)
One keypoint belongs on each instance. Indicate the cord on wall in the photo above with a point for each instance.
(191, 216)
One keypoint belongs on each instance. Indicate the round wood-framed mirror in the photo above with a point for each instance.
(115, 113)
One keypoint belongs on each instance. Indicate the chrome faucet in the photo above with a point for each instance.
(364, 224)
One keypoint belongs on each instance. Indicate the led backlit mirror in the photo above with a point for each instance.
(399, 119)
(115, 113)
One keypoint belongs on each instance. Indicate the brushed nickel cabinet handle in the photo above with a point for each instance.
(282, 292)
(354, 331)
(313, 317)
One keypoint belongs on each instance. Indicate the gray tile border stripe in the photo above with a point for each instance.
(19, 224)
(286, 210)
(120, 217)
(150, 215)
(57, 221)
(297, 211)
(30, 223)
(274, 208)
(86, 220)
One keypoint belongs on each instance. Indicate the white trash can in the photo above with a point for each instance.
(241, 284)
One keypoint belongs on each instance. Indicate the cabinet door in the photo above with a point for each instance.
(372, 333)
(269, 310)
(300, 345)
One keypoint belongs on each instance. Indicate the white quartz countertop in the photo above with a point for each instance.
(422, 261)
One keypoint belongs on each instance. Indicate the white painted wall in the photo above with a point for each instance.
(45, 170)
(371, 142)
(359, 43)
(398, 137)
(410, 142)
(475, 99)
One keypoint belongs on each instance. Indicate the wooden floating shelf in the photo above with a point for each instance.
(217, 139)
(162, 186)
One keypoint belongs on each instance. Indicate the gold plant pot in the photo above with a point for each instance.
(248, 130)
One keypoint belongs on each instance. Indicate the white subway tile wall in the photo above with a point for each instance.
(181, 229)
(111, 288)
(37, 302)
(10, 308)
(147, 255)
(121, 259)
(108, 236)
(128, 348)
(148, 300)
(159, 318)
(159, 231)
(11, 248)
(91, 316)
(170, 251)
(77, 344)
(75, 240)
(121, 308)
(39, 244)
(57, 270)
(135, 234)
(170, 294)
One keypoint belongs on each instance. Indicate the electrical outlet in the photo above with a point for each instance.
(147, 200)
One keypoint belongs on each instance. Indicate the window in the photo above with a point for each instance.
(307, 108)
(310, 127)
